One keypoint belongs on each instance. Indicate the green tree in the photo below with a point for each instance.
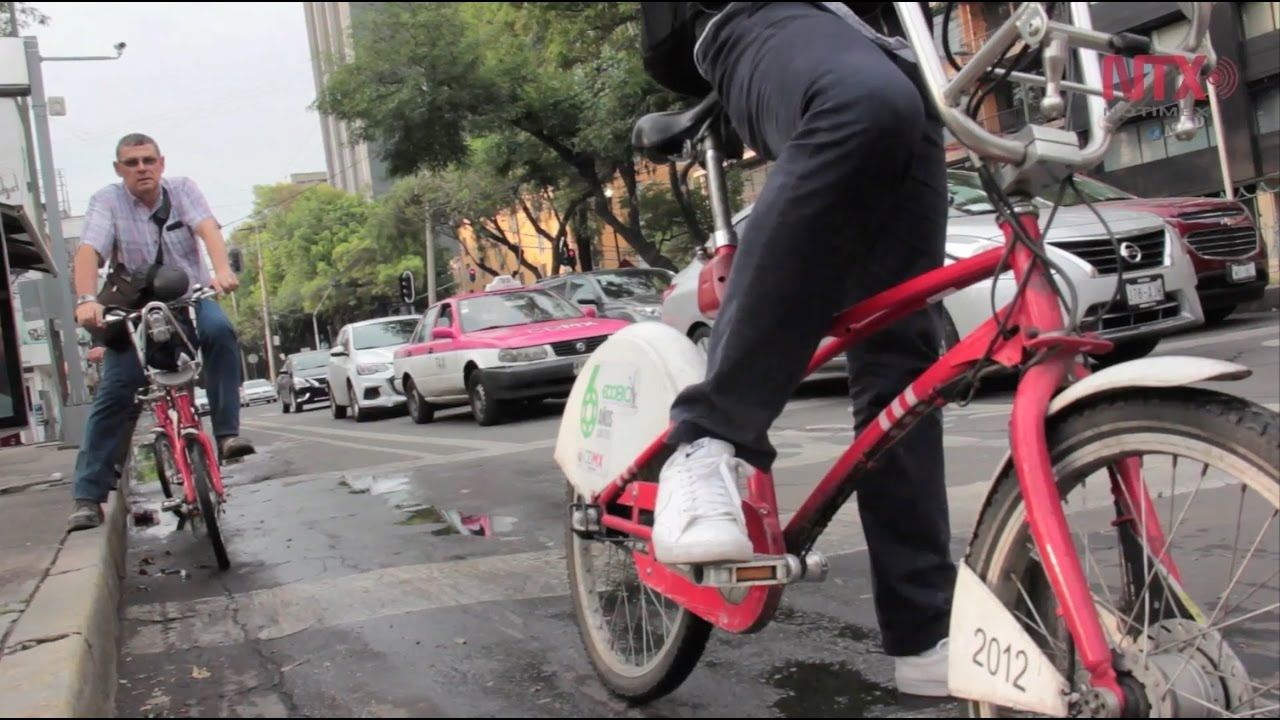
(26, 15)
(542, 95)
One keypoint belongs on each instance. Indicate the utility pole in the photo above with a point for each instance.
(266, 311)
(431, 260)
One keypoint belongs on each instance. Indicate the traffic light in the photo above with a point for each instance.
(471, 274)
(406, 287)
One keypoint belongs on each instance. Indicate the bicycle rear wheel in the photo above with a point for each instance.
(209, 505)
(641, 645)
(1211, 466)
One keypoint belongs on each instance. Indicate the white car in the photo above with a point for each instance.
(1158, 296)
(360, 366)
(256, 391)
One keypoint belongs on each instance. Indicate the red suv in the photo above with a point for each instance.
(1219, 235)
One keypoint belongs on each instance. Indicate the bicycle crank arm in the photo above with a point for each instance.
(767, 570)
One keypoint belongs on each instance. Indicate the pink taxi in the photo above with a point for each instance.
(494, 349)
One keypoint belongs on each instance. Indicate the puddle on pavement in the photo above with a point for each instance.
(440, 521)
(823, 689)
(455, 522)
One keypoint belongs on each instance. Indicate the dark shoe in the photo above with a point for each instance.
(233, 446)
(87, 515)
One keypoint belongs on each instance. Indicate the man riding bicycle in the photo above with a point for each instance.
(855, 203)
(119, 227)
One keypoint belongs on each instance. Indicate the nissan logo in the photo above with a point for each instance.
(581, 347)
(1130, 252)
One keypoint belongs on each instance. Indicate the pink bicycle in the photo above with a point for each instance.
(1147, 613)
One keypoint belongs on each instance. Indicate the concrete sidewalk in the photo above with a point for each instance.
(59, 591)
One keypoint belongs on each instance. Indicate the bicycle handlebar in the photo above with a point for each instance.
(1031, 24)
(119, 314)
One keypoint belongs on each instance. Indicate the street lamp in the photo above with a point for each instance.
(58, 294)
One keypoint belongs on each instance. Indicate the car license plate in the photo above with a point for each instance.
(1243, 272)
(577, 364)
(1145, 292)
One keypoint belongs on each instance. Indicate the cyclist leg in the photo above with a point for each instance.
(220, 348)
(105, 429)
(903, 500)
(843, 121)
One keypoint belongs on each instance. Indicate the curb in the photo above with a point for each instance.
(60, 659)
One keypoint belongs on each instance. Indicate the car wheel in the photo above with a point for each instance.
(356, 413)
(702, 338)
(419, 409)
(484, 407)
(1215, 315)
(1126, 351)
(949, 336)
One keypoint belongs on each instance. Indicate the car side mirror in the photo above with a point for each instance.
(338, 351)
(443, 333)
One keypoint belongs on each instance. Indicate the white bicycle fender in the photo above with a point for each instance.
(991, 659)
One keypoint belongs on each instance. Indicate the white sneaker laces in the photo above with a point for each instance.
(704, 490)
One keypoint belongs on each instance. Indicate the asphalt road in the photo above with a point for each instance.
(357, 591)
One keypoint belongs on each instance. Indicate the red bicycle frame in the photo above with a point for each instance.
(1035, 338)
(176, 419)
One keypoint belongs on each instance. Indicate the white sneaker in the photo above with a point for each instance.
(924, 674)
(698, 518)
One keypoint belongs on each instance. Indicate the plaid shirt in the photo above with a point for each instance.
(118, 221)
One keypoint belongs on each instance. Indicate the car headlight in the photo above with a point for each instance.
(527, 354)
(649, 312)
(372, 368)
(301, 382)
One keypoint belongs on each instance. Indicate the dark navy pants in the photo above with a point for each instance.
(855, 203)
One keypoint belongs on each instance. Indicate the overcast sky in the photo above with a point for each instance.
(224, 89)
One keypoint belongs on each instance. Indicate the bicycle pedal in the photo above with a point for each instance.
(767, 570)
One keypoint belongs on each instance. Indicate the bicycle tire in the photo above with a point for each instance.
(163, 449)
(1233, 431)
(208, 508)
(672, 663)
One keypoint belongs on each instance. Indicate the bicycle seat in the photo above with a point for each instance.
(662, 135)
(176, 379)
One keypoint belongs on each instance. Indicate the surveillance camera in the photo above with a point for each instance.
(120, 47)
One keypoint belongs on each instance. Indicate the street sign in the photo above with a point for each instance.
(406, 287)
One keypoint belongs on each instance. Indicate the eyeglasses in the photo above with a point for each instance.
(133, 162)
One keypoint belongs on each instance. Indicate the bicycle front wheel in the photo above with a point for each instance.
(209, 505)
(1211, 466)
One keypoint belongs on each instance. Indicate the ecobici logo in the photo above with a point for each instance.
(590, 405)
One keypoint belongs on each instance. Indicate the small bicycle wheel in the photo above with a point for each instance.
(641, 645)
(1211, 466)
(200, 465)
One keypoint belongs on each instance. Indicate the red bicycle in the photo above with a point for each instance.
(1050, 615)
(183, 451)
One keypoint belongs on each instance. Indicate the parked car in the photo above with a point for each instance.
(1158, 297)
(303, 379)
(1219, 235)
(257, 391)
(495, 348)
(359, 368)
(631, 294)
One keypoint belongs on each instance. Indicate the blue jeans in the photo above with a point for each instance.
(114, 406)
